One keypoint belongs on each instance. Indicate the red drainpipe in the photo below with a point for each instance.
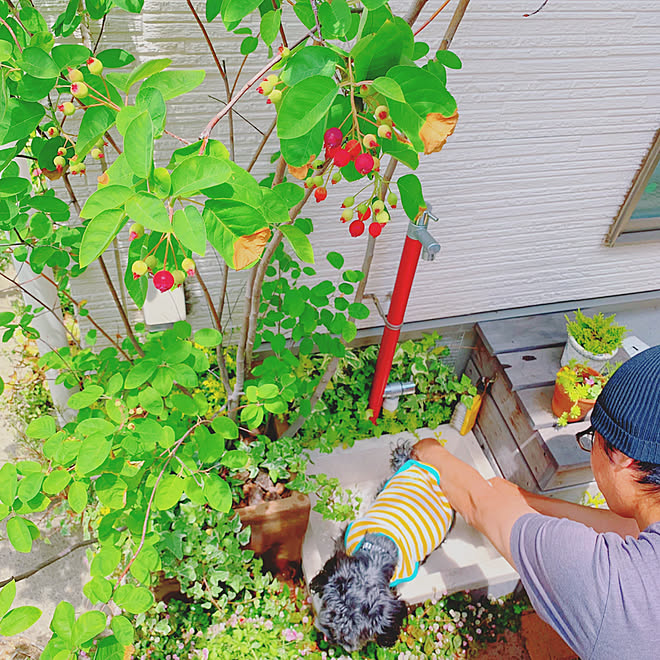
(417, 235)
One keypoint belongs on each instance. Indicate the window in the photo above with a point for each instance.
(639, 216)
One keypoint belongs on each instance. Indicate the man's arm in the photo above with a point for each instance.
(493, 506)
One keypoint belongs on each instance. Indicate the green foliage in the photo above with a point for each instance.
(597, 334)
(160, 444)
(342, 416)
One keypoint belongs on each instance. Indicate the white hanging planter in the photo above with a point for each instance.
(573, 351)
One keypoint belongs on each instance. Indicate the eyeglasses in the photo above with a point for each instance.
(585, 439)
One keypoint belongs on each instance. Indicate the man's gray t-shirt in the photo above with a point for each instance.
(600, 592)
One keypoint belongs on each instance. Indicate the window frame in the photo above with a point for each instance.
(621, 232)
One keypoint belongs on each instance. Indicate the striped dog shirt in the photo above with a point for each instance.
(412, 510)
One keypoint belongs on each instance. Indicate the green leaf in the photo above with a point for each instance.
(139, 145)
(310, 61)
(109, 648)
(227, 221)
(252, 416)
(34, 89)
(8, 483)
(249, 45)
(99, 233)
(19, 119)
(18, 532)
(93, 452)
(305, 104)
(142, 71)
(18, 620)
(149, 211)
(401, 151)
(174, 83)
(234, 11)
(98, 8)
(190, 229)
(412, 197)
(123, 629)
(7, 595)
(196, 173)
(133, 599)
(13, 185)
(297, 151)
(95, 425)
(56, 482)
(35, 62)
(88, 626)
(29, 486)
(358, 311)
(390, 88)
(373, 4)
(168, 493)
(217, 493)
(151, 401)
(64, 618)
(70, 55)
(98, 590)
(105, 561)
(41, 428)
(212, 9)
(299, 242)
(77, 496)
(375, 54)
(225, 427)
(95, 122)
(235, 459)
(289, 193)
(115, 58)
(108, 197)
(336, 260)
(151, 100)
(449, 59)
(208, 337)
(335, 19)
(270, 26)
(133, 6)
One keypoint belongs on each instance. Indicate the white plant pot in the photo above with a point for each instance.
(573, 351)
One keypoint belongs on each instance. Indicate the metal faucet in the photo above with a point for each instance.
(418, 230)
(394, 390)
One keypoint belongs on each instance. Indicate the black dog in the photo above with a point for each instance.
(409, 518)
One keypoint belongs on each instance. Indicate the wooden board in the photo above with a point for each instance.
(573, 464)
(520, 426)
(493, 433)
(533, 368)
(524, 333)
(536, 402)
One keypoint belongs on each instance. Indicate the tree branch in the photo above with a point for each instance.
(48, 562)
(262, 144)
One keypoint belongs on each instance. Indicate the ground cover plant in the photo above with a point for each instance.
(146, 438)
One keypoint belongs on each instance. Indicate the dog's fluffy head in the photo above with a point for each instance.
(357, 603)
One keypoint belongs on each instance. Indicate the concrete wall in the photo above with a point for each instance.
(556, 114)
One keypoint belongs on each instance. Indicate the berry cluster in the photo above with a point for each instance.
(164, 278)
(79, 90)
(269, 87)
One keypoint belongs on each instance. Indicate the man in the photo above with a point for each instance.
(592, 574)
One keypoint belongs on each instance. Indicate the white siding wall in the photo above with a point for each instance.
(556, 113)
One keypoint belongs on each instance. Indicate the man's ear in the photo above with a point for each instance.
(621, 461)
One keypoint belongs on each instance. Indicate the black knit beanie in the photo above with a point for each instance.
(627, 412)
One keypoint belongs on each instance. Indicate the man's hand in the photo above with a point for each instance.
(427, 451)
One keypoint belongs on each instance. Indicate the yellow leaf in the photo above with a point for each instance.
(298, 172)
(248, 249)
(437, 128)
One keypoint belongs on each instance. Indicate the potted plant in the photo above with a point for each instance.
(577, 387)
(592, 341)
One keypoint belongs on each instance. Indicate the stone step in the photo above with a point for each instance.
(466, 560)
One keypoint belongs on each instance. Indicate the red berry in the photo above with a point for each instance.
(356, 228)
(320, 194)
(353, 147)
(375, 228)
(364, 216)
(364, 163)
(163, 280)
(333, 137)
(342, 157)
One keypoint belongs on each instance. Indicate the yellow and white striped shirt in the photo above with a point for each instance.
(411, 510)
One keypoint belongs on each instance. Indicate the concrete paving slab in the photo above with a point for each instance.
(465, 561)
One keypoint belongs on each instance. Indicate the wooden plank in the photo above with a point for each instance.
(520, 426)
(524, 333)
(491, 432)
(573, 464)
(534, 368)
(537, 403)
(487, 365)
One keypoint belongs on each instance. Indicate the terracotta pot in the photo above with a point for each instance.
(561, 402)
(278, 529)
